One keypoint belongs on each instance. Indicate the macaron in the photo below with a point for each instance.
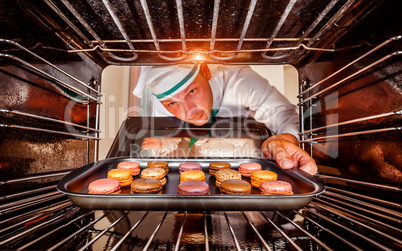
(104, 186)
(193, 187)
(187, 166)
(246, 169)
(235, 186)
(192, 175)
(226, 174)
(160, 164)
(154, 173)
(276, 187)
(123, 176)
(258, 177)
(146, 186)
(133, 167)
(216, 166)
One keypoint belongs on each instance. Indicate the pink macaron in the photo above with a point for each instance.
(276, 187)
(104, 186)
(193, 187)
(246, 169)
(133, 167)
(187, 166)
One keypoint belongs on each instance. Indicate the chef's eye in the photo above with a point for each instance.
(192, 91)
(171, 104)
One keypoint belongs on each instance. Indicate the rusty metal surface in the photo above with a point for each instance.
(372, 157)
(24, 152)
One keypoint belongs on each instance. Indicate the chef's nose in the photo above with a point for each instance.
(188, 107)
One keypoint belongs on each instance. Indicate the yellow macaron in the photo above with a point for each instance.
(192, 175)
(257, 177)
(124, 177)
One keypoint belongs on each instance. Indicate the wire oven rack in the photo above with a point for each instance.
(72, 129)
(338, 219)
(307, 101)
(109, 49)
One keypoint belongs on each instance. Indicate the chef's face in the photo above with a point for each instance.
(193, 104)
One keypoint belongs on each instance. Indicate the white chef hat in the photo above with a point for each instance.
(165, 81)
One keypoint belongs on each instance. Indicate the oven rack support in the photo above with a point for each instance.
(345, 228)
(184, 53)
(358, 182)
(383, 115)
(97, 96)
(307, 135)
(397, 53)
(47, 119)
(50, 64)
(14, 202)
(396, 38)
(66, 209)
(78, 136)
(8, 208)
(47, 75)
(329, 137)
(378, 211)
(34, 177)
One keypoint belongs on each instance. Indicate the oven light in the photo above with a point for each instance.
(198, 57)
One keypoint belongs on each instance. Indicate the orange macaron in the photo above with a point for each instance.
(123, 176)
(192, 175)
(258, 177)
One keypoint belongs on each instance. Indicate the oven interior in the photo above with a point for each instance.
(347, 53)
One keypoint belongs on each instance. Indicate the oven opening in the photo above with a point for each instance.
(222, 137)
(63, 124)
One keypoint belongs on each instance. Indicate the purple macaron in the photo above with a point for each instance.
(193, 187)
(187, 166)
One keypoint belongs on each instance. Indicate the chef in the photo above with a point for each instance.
(196, 92)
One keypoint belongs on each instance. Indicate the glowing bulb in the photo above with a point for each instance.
(198, 56)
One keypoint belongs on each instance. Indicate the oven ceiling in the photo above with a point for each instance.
(223, 31)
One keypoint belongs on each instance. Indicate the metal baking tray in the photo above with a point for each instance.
(75, 185)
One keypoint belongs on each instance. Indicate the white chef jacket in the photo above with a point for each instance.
(238, 91)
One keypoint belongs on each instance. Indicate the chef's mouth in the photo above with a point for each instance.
(198, 119)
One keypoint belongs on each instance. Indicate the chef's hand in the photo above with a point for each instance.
(160, 146)
(152, 144)
(285, 150)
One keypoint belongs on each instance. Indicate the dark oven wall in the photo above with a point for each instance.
(360, 89)
(48, 98)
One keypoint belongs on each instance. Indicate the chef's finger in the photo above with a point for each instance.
(281, 156)
(265, 150)
(310, 168)
(306, 163)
